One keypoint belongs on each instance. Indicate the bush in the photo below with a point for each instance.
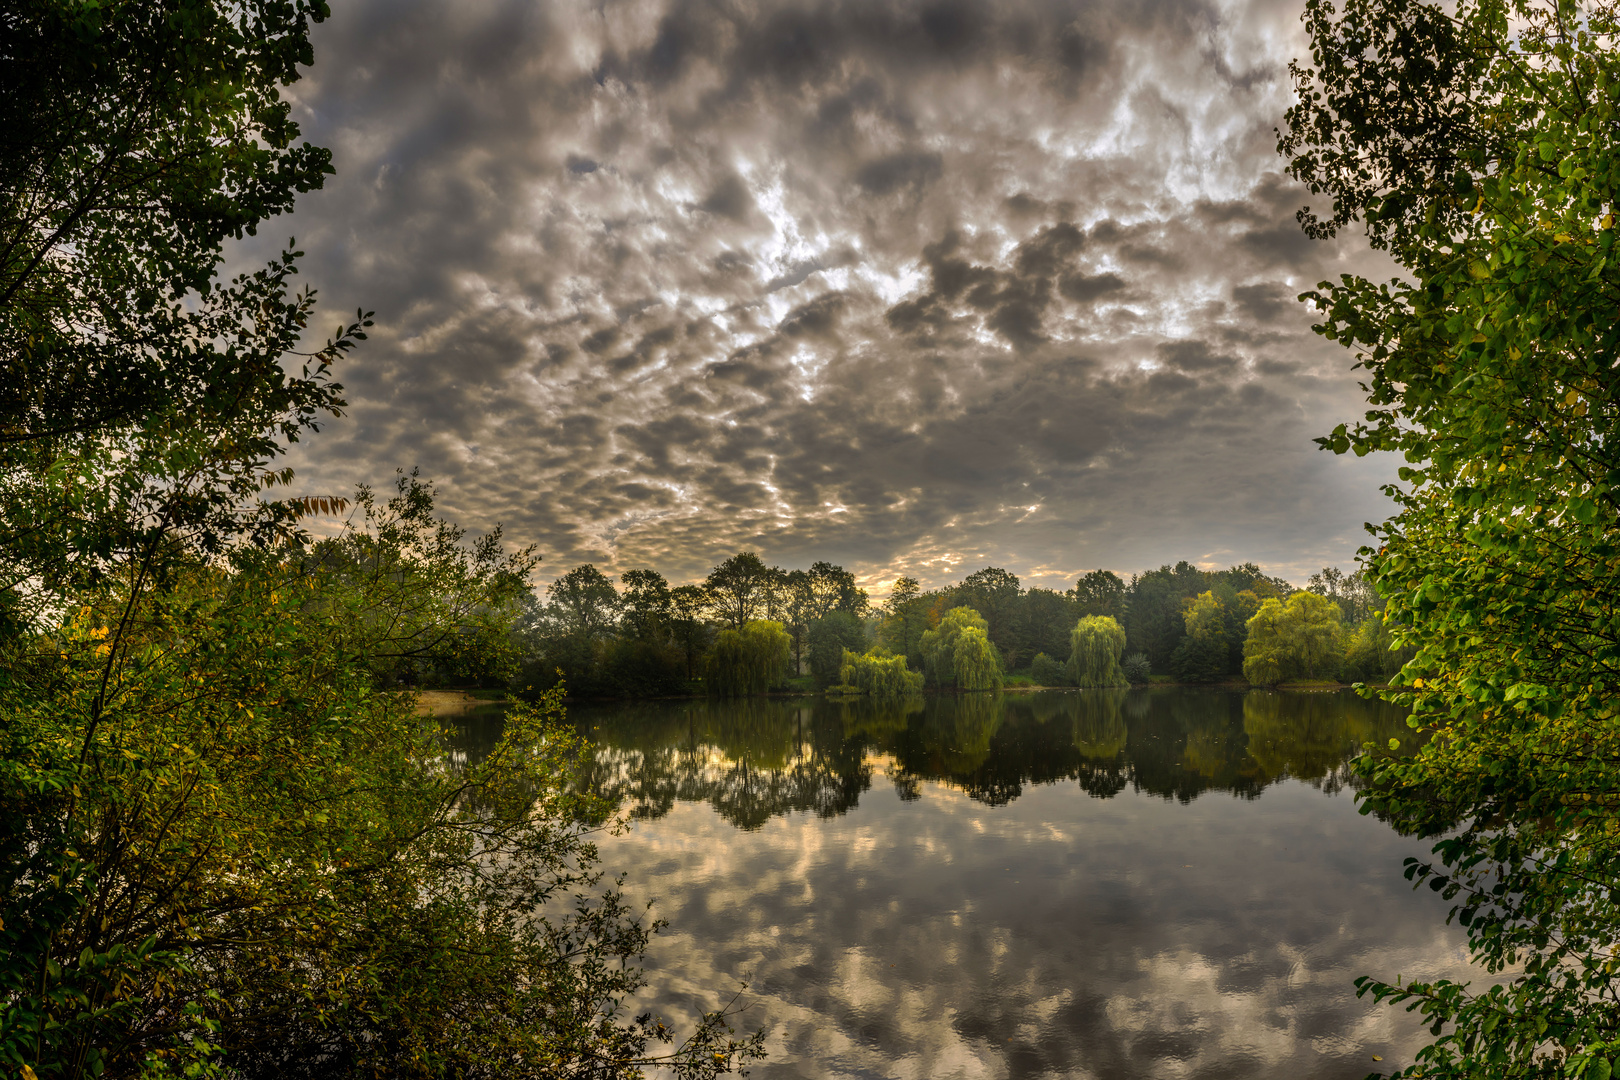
(1137, 668)
(1046, 671)
(644, 669)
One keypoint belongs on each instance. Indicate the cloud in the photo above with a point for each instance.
(913, 287)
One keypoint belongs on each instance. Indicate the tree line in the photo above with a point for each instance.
(749, 627)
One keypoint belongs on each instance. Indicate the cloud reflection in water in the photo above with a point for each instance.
(1148, 884)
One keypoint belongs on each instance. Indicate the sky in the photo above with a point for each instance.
(912, 287)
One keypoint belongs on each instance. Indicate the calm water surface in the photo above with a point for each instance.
(1114, 884)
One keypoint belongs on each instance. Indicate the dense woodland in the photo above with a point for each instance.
(643, 638)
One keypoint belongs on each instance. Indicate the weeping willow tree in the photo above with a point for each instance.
(1095, 646)
(958, 652)
(879, 673)
(1303, 637)
(749, 661)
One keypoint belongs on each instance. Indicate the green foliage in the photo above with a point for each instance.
(904, 618)
(879, 674)
(749, 661)
(1100, 592)
(975, 662)
(1298, 639)
(958, 652)
(641, 668)
(223, 846)
(1047, 671)
(228, 846)
(739, 589)
(829, 637)
(1476, 143)
(1154, 621)
(584, 604)
(1137, 668)
(1353, 592)
(647, 605)
(995, 594)
(142, 400)
(424, 607)
(1371, 653)
(1095, 646)
(1202, 654)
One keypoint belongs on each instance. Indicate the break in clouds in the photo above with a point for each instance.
(912, 287)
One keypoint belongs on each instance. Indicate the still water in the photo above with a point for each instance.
(1114, 884)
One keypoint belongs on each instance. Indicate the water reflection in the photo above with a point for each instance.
(1122, 885)
(751, 760)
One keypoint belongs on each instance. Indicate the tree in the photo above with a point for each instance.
(1154, 623)
(1095, 646)
(1352, 592)
(1047, 671)
(1370, 651)
(974, 661)
(1474, 142)
(748, 661)
(228, 846)
(958, 652)
(646, 603)
(1100, 592)
(1248, 577)
(830, 588)
(905, 617)
(585, 603)
(830, 637)
(1203, 653)
(1302, 638)
(1047, 618)
(142, 400)
(738, 589)
(688, 603)
(249, 845)
(995, 594)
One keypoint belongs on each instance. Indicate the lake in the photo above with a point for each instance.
(1153, 883)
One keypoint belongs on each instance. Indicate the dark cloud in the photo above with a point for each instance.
(915, 287)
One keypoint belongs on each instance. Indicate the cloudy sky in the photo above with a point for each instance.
(915, 287)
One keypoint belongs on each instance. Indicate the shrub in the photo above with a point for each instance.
(1046, 671)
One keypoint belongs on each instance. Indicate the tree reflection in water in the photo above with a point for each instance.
(757, 758)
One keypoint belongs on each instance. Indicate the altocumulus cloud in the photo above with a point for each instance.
(914, 287)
